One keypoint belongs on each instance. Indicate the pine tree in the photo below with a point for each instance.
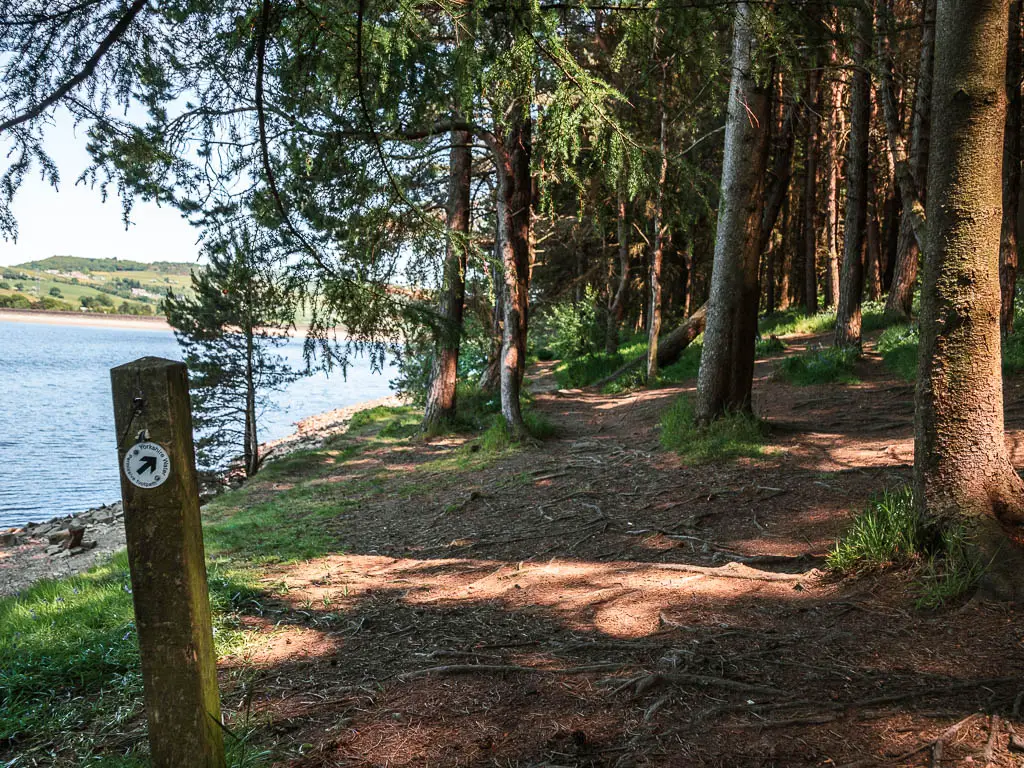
(240, 313)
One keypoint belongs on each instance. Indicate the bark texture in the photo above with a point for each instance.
(848, 317)
(727, 358)
(962, 470)
(441, 393)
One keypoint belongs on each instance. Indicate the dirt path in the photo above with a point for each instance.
(593, 602)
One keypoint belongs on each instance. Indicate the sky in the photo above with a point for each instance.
(74, 221)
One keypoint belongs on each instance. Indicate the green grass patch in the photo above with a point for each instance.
(827, 365)
(733, 436)
(686, 367)
(794, 321)
(892, 532)
(769, 347)
(582, 371)
(898, 347)
(498, 438)
(69, 663)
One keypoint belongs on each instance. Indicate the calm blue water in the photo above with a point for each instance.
(57, 444)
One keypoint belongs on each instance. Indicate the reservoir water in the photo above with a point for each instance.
(57, 444)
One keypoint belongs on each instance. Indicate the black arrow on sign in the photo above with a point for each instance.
(148, 464)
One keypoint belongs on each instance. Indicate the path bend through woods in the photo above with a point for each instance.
(593, 602)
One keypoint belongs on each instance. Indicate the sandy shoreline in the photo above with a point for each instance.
(128, 322)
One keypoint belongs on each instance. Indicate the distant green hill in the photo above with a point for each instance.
(79, 264)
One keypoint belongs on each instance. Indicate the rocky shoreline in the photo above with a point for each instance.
(70, 544)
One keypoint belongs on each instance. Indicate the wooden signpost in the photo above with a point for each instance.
(168, 568)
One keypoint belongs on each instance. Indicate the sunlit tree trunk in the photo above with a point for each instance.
(829, 228)
(514, 187)
(250, 442)
(962, 471)
(441, 391)
(727, 358)
(848, 318)
(657, 256)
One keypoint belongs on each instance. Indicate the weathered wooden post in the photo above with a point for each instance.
(168, 569)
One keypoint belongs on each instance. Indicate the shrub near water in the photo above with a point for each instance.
(732, 436)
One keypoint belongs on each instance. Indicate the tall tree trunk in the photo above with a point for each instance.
(1011, 171)
(784, 258)
(830, 233)
(962, 470)
(851, 282)
(769, 279)
(872, 271)
(687, 255)
(811, 193)
(618, 304)
(657, 253)
(796, 242)
(890, 236)
(514, 187)
(727, 359)
(251, 443)
(441, 392)
(899, 303)
(490, 379)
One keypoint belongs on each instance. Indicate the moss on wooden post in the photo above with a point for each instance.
(168, 568)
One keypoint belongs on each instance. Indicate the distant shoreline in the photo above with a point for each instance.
(150, 323)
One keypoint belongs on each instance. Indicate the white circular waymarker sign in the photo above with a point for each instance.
(147, 465)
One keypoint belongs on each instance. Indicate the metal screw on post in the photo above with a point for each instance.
(168, 566)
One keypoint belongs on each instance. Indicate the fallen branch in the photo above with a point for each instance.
(644, 683)
(738, 571)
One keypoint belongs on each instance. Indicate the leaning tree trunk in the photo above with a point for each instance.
(514, 187)
(1011, 171)
(444, 374)
(618, 303)
(727, 359)
(851, 280)
(899, 302)
(962, 470)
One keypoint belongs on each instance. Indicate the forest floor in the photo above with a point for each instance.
(588, 601)
(591, 601)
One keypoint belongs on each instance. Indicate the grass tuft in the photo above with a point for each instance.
(794, 321)
(898, 347)
(735, 435)
(497, 438)
(822, 366)
(768, 347)
(892, 532)
(69, 661)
